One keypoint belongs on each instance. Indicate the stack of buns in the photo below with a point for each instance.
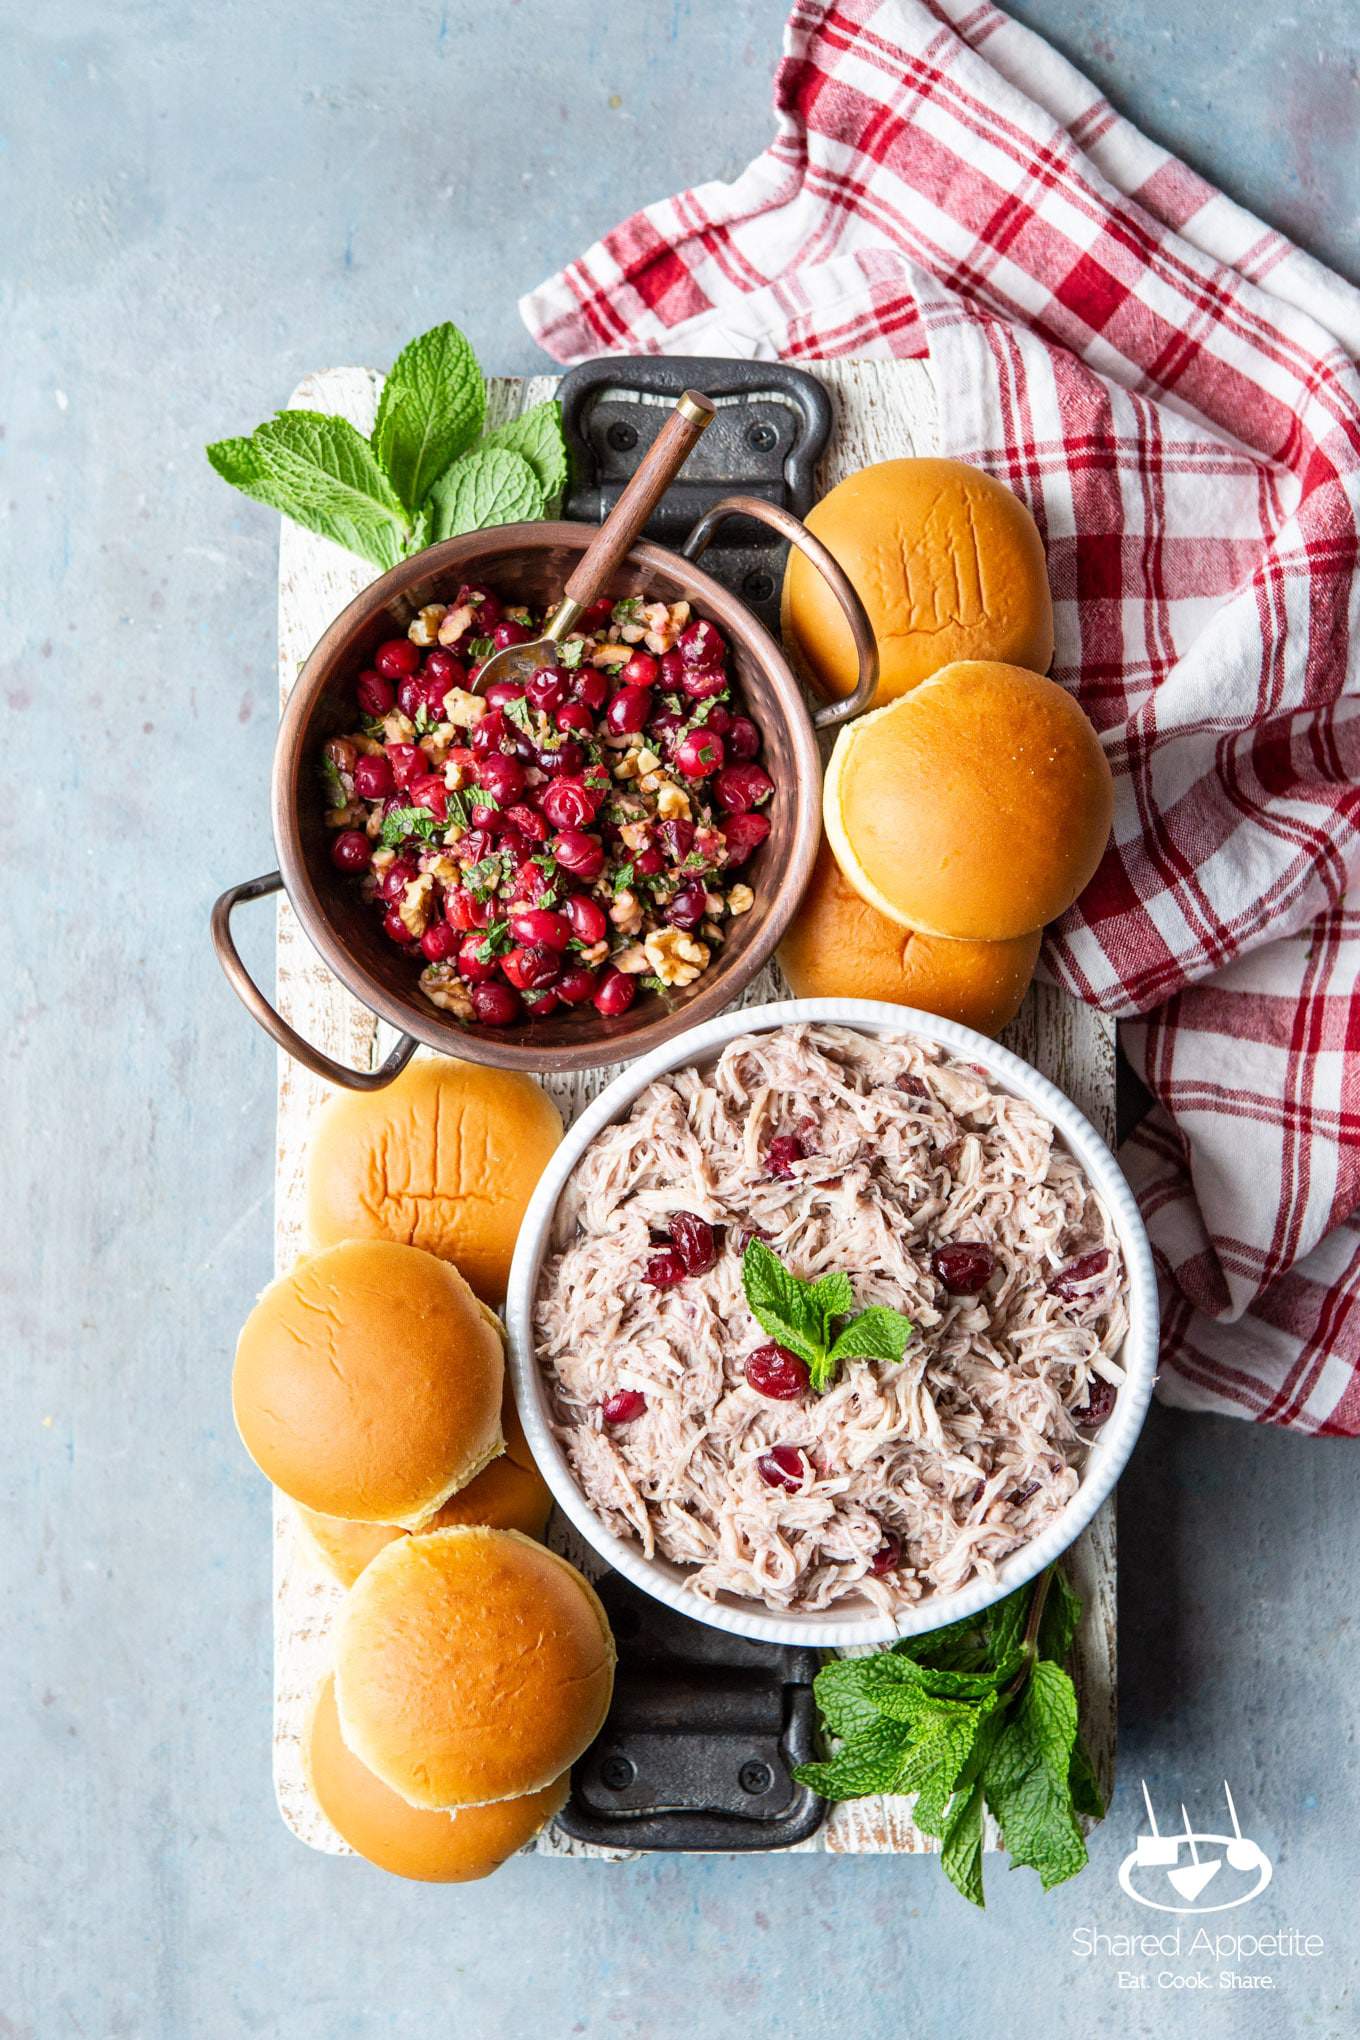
(472, 1665)
(972, 806)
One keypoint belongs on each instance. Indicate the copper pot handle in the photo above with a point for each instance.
(790, 527)
(274, 1024)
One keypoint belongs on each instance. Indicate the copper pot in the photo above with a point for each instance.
(529, 563)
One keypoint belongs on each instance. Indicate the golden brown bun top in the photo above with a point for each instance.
(978, 805)
(437, 1848)
(510, 1494)
(948, 563)
(368, 1383)
(839, 947)
(444, 1158)
(471, 1665)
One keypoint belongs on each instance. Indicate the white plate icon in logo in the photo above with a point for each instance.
(1169, 1879)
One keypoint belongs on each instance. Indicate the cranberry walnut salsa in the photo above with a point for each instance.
(574, 839)
(950, 1290)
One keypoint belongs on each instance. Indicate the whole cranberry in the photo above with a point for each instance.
(589, 922)
(1098, 1407)
(784, 1466)
(406, 760)
(743, 739)
(700, 644)
(699, 753)
(574, 718)
(578, 853)
(376, 694)
(649, 862)
(429, 791)
(463, 912)
(476, 967)
(396, 878)
(541, 924)
(666, 729)
(502, 777)
(615, 994)
(569, 803)
(742, 787)
(491, 732)
(502, 692)
(963, 1266)
(623, 1406)
(671, 671)
(531, 966)
(396, 658)
(781, 1154)
(590, 687)
(597, 615)
(641, 671)
(693, 1237)
(561, 760)
(506, 634)
(775, 1372)
(475, 845)
(538, 1005)
(351, 850)
(576, 985)
(396, 928)
(443, 669)
(1067, 1280)
(374, 778)
(546, 689)
(743, 834)
(528, 821)
(495, 1005)
(888, 1556)
(628, 711)
(471, 595)
(664, 1268)
(689, 906)
(676, 839)
(439, 943)
(411, 697)
(702, 683)
(718, 719)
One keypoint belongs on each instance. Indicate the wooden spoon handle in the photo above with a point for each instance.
(655, 472)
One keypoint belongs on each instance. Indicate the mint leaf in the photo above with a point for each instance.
(571, 652)
(321, 472)
(945, 1740)
(1026, 1779)
(537, 437)
(833, 1296)
(878, 1333)
(961, 1856)
(898, 1686)
(238, 462)
(1060, 1621)
(868, 1764)
(1087, 1796)
(336, 797)
(431, 410)
(782, 1305)
(517, 712)
(846, 1709)
(484, 488)
(410, 821)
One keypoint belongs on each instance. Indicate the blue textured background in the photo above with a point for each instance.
(197, 204)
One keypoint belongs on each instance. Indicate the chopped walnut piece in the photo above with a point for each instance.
(397, 728)
(676, 958)
(458, 772)
(382, 858)
(366, 746)
(443, 987)
(672, 802)
(414, 904)
(611, 655)
(423, 628)
(626, 913)
(594, 953)
(463, 709)
(348, 817)
(456, 621)
(631, 961)
(647, 761)
(635, 834)
(740, 900)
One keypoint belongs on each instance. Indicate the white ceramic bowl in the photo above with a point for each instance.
(851, 1622)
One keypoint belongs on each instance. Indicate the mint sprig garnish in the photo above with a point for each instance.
(804, 1316)
(980, 1715)
(427, 472)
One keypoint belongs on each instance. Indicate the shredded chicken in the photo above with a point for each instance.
(964, 1450)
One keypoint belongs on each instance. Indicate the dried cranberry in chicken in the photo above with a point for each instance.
(784, 1150)
(784, 1466)
(664, 1268)
(623, 1406)
(1068, 1281)
(964, 1266)
(693, 1239)
(775, 1372)
(1098, 1407)
(888, 1556)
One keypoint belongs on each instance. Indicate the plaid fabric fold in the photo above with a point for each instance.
(1172, 389)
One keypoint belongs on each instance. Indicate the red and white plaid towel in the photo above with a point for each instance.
(1172, 390)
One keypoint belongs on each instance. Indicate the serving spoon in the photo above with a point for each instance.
(655, 472)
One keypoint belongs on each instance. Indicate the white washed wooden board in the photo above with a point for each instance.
(884, 409)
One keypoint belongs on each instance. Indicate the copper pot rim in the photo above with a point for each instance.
(611, 1041)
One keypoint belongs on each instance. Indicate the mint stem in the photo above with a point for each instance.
(1029, 1642)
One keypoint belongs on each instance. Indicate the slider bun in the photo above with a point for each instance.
(471, 1665)
(445, 1158)
(948, 563)
(839, 947)
(368, 1383)
(437, 1848)
(510, 1494)
(977, 806)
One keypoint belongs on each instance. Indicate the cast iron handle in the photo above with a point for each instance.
(796, 532)
(274, 1024)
